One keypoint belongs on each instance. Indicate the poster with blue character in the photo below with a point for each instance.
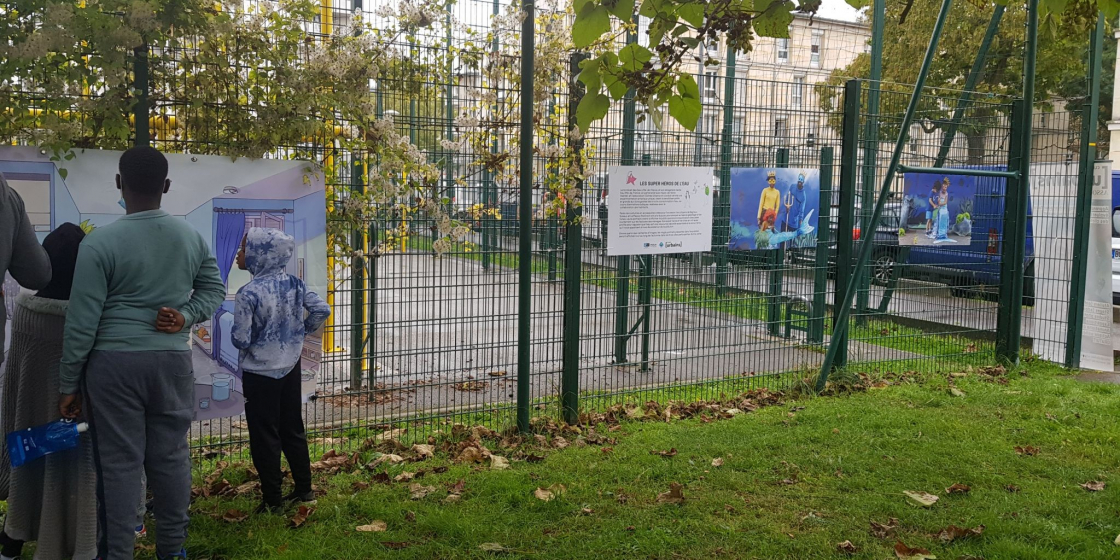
(774, 208)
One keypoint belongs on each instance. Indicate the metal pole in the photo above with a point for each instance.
(552, 233)
(722, 223)
(1010, 318)
(371, 244)
(871, 142)
(820, 263)
(777, 259)
(140, 111)
(969, 85)
(1089, 115)
(357, 285)
(843, 311)
(573, 268)
(622, 284)
(449, 164)
(525, 211)
(845, 219)
(489, 189)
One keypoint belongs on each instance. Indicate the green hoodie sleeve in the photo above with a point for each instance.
(87, 300)
(209, 291)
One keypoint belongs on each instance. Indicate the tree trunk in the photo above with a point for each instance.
(977, 143)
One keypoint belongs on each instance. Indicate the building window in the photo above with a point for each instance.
(815, 48)
(713, 48)
(783, 51)
(811, 135)
(710, 85)
(711, 126)
(915, 131)
(798, 90)
(781, 131)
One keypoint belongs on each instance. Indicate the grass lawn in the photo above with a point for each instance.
(794, 483)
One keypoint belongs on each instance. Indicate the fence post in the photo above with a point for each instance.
(871, 145)
(525, 216)
(1088, 158)
(573, 265)
(722, 222)
(775, 260)
(489, 189)
(140, 111)
(845, 218)
(357, 284)
(820, 263)
(1010, 318)
(622, 282)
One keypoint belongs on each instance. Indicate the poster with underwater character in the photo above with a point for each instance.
(938, 209)
(774, 208)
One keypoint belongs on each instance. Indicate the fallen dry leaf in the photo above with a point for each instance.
(492, 547)
(543, 495)
(498, 463)
(847, 547)
(1117, 541)
(884, 530)
(952, 533)
(586, 511)
(496, 373)
(670, 453)
(458, 487)
(374, 527)
(301, 516)
(921, 498)
(385, 458)
(958, 489)
(418, 492)
(717, 462)
(559, 442)
(673, 496)
(904, 552)
(1029, 451)
(1012, 488)
(956, 392)
(424, 451)
(1093, 486)
(452, 498)
(358, 486)
(470, 454)
(404, 477)
(534, 459)
(234, 516)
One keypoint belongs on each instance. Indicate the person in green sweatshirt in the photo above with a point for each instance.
(140, 283)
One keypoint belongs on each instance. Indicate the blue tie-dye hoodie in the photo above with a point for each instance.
(275, 311)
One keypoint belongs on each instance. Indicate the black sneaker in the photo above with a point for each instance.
(305, 498)
(266, 507)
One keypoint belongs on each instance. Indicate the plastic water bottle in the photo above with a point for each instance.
(32, 443)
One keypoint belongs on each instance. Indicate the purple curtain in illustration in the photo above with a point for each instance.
(227, 240)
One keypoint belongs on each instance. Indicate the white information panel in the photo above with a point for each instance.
(659, 210)
(1096, 330)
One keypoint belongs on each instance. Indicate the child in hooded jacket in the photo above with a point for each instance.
(273, 314)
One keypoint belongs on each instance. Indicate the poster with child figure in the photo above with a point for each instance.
(221, 198)
(774, 208)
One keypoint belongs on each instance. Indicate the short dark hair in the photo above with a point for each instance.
(144, 170)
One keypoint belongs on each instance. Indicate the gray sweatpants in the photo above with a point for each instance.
(140, 406)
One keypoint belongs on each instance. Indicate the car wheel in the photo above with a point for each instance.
(882, 266)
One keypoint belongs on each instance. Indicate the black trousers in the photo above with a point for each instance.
(273, 412)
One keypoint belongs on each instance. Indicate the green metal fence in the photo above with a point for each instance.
(422, 338)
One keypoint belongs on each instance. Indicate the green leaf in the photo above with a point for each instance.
(657, 116)
(685, 110)
(592, 108)
(657, 30)
(615, 86)
(690, 42)
(590, 77)
(592, 22)
(773, 19)
(859, 4)
(622, 9)
(62, 172)
(634, 57)
(693, 13)
(655, 8)
(687, 87)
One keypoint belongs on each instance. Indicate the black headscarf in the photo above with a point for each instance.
(62, 248)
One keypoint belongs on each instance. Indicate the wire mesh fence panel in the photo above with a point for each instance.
(424, 284)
